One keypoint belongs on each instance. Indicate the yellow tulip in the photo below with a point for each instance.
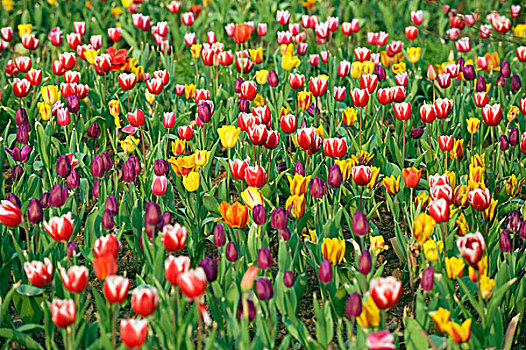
(44, 110)
(262, 76)
(8, 5)
(423, 227)
(201, 157)
(290, 61)
(49, 94)
(513, 113)
(90, 55)
(129, 143)
(367, 67)
(116, 12)
(52, 2)
(126, 3)
(489, 213)
(458, 150)
(430, 249)
(114, 107)
(259, 101)
(512, 185)
(454, 267)
(461, 223)
(399, 68)
(296, 205)
(117, 122)
(413, 54)
(256, 55)
(298, 184)
(441, 319)
(349, 116)
(459, 333)
(24, 29)
(486, 286)
(189, 91)
(370, 316)
(195, 50)
(304, 100)
(333, 250)
(252, 197)
(191, 181)
(473, 125)
(392, 184)
(149, 97)
(356, 70)
(377, 244)
(178, 147)
(310, 235)
(228, 134)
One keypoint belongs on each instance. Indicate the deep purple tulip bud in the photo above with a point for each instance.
(259, 214)
(219, 235)
(282, 166)
(21, 116)
(63, 167)
(22, 134)
(515, 83)
(166, 220)
(237, 85)
(264, 258)
(417, 133)
(285, 233)
(311, 110)
(73, 180)
(243, 105)
(522, 230)
(94, 130)
(71, 248)
(299, 168)
(161, 167)
(137, 164)
(514, 137)
(264, 289)
(35, 214)
(428, 279)
(469, 72)
(108, 163)
(97, 167)
(481, 84)
(72, 104)
(111, 204)
(288, 279)
(505, 69)
(58, 196)
(13, 198)
(251, 310)
(460, 61)
(231, 252)
(501, 81)
(15, 153)
(504, 144)
(316, 187)
(107, 220)
(505, 241)
(210, 267)
(152, 214)
(96, 188)
(335, 177)
(273, 79)
(44, 200)
(325, 271)
(353, 306)
(365, 263)
(379, 71)
(128, 171)
(17, 172)
(514, 220)
(204, 112)
(279, 219)
(360, 224)
(25, 152)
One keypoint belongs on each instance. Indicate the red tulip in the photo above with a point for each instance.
(443, 107)
(411, 32)
(492, 114)
(75, 279)
(439, 209)
(134, 332)
(296, 81)
(361, 174)
(344, 67)
(104, 266)
(116, 289)
(67, 59)
(187, 18)
(115, 34)
(481, 99)
(192, 283)
(339, 93)
(272, 139)
(23, 63)
(136, 118)
(385, 291)
(39, 273)
(68, 89)
(29, 41)
(21, 87)
(6, 33)
(362, 54)
(106, 245)
(102, 64)
(159, 185)
(402, 111)
(369, 82)
(242, 33)
(521, 53)
(154, 86)
(417, 17)
(318, 86)
(168, 120)
(401, 79)
(249, 90)
(398, 93)
(444, 80)
(335, 147)
(384, 96)
(472, 247)
(255, 176)
(288, 123)
(446, 143)
(72, 77)
(73, 40)
(201, 95)
(144, 300)
(238, 167)
(82, 91)
(263, 112)
(127, 81)
(522, 146)
(258, 134)
(58, 68)
(10, 214)
(174, 266)
(185, 132)
(63, 312)
(190, 39)
(479, 199)
(60, 228)
(305, 137)
(226, 58)
(427, 113)
(174, 237)
(360, 97)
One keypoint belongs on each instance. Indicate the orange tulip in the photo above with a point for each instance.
(411, 176)
(235, 215)
(242, 33)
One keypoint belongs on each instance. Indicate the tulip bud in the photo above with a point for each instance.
(108, 163)
(21, 116)
(44, 200)
(264, 289)
(285, 233)
(166, 220)
(522, 230)
(379, 71)
(251, 310)
(152, 214)
(504, 144)
(299, 168)
(325, 271)
(128, 171)
(514, 221)
(111, 204)
(288, 279)
(481, 84)
(365, 263)
(161, 167)
(22, 134)
(71, 248)
(96, 188)
(209, 265)
(97, 167)
(316, 187)
(335, 177)
(107, 220)
(501, 81)
(505, 241)
(17, 172)
(514, 137)
(272, 79)
(279, 219)
(417, 133)
(204, 112)
(264, 258)
(469, 72)
(360, 224)
(427, 280)
(94, 130)
(243, 105)
(505, 69)
(63, 167)
(231, 252)
(353, 306)
(515, 83)
(57, 196)
(259, 214)
(237, 85)
(72, 104)
(219, 235)
(35, 213)
(73, 180)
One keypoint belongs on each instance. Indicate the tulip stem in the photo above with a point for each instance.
(403, 144)
(114, 326)
(128, 93)
(199, 330)
(361, 108)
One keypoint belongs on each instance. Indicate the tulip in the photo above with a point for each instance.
(411, 177)
(144, 300)
(472, 247)
(325, 272)
(174, 237)
(288, 279)
(505, 242)
(75, 279)
(106, 245)
(380, 340)
(116, 289)
(107, 220)
(279, 218)
(35, 213)
(259, 214)
(335, 177)
(231, 252)
(228, 135)
(159, 185)
(365, 263)
(39, 273)
(264, 289)
(353, 306)
(60, 228)
(10, 214)
(317, 187)
(63, 312)
(479, 199)
(134, 332)
(439, 210)
(360, 224)
(492, 114)
(209, 265)
(427, 280)
(264, 258)
(174, 266)
(385, 291)
(251, 310)
(361, 174)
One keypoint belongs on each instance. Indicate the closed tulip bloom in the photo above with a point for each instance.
(251, 310)
(264, 258)
(325, 272)
(353, 306)
(192, 282)
(228, 134)
(94, 130)
(360, 224)
(10, 214)
(144, 300)
(106, 245)
(97, 166)
(39, 273)
(365, 263)
(472, 247)
(480, 199)
(255, 176)
(515, 83)
(259, 214)
(514, 221)
(22, 134)
(219, 235)
(63, 312)
(128, 172)
(35, 213)
(58, 195)
(427, 280)
(439, 210)
(231, 252)
(316, 187)
(385, 291)
(411, 177)
(116, 289)
(361, 174)
(209, 266)
(75, 279)
(174, 266)
(505, 242)
(134, 332)
(108, 222)
(335, 178)
(492, 114)
(279, 219)
(159, 185)
(402, 111)
(264, 289)
(60, 228)
(503, 143)
(288, 279)
(514, 137)
(273, 79)
(174, 237)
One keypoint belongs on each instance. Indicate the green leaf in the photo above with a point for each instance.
(20, 338)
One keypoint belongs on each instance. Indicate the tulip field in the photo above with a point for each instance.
(304, 174)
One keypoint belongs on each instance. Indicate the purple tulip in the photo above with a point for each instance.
(325, 271)
(514, 220)
(317, 190)
(335, 177)
(161, 167)
(259, 214)
(58, 196)
(73, 180)
(505, 241)
(17, 172)
(365, 263)
(35, 214)
(514, 137)
(288, 279)
(279, 219)
(231, 252)
(107, 220)
(264, 258)
(360, 224)
(63, 167)
(209, 265)
(272, 79)
(111, 204)
(299, 168)
(97, 167)
(264, 289)
(428, 277)
(515, 83)
(94, 130)
(219, 235)
(353, 306)
(251, 308)
(21, 116)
